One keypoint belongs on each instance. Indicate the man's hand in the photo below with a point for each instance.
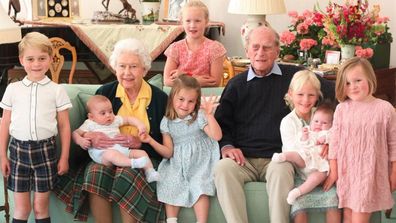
(234, 154)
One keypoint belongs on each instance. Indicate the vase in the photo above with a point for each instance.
(347, 52)
(381, 57)
(150, 12)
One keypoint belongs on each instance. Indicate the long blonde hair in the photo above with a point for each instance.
(183, 82)
(341, 80)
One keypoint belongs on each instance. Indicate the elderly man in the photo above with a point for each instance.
(250, 111)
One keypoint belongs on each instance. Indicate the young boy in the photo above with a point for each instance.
(35, 111)
(102, 119)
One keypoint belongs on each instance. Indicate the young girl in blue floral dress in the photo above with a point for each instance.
(189, 149)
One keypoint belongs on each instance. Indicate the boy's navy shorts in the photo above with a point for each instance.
(33, 165)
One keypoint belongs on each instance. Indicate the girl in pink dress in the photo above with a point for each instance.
(195, 55)
(363, 144)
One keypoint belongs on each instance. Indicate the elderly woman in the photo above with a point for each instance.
(130, 96)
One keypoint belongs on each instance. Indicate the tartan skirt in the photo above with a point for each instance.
(126, 187)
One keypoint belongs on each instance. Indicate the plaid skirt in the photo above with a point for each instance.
(126, 187)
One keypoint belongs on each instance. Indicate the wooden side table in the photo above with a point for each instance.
(6, 206)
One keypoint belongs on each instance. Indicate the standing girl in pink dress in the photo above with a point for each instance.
(195, 55)
(363, 144)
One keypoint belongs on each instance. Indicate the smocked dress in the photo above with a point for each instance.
(195, 62)
(188, 174)
(364, 145)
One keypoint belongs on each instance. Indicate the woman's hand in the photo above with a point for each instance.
(5, 166)
(209, 104)
(99, 140)
(128, 141)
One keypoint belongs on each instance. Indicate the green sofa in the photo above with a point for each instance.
(257, 199)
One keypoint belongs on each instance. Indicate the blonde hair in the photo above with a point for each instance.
(35, 40)
(196, 4)
(341, 80)
(183, 82)
(94, 100)
(299, 79)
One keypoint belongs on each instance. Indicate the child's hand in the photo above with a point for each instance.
(142, 129)
(209, 104)
(63, 166)
(305, 134)
(330, 180)
(144, 137)
(392, 178)
(5, 166)
(321, 140)
(174, 74)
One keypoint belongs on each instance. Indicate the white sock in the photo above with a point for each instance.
(139, 162)
(171, 220)
(152, 175)
(293, 195)
(278, 157)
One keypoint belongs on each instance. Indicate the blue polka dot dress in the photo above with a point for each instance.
(189, 173)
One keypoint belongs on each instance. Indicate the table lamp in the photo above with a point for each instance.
(256, 11)
(10, 32)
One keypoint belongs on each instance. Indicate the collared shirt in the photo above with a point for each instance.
(251, 74)
(34, 107)
(275, 70)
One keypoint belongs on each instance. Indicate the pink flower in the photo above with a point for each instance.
(293, 14)
(306, 44)
(328, 41)
(307, 13)
(364, 53)
(287, 37)
(302, 28)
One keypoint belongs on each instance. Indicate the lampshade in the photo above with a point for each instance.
(256, 7)
(10, 32)
(256, 11)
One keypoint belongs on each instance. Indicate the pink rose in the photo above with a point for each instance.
(287, 37)
(306, 44)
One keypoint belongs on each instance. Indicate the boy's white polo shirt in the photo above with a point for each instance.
(34, 107)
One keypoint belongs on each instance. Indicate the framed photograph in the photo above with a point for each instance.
(58, 8)
(172, 9)
(39, 9)
(332, 57)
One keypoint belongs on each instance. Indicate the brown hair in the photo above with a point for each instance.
(35, 40)
(183, 82)
(341, 80)
(327, 107)
(95, 99)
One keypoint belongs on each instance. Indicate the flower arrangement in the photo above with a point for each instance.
(305, 33)
(339, 25)
(355, 24)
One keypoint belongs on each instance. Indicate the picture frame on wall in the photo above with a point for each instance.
(58, 8)
(172, 9)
